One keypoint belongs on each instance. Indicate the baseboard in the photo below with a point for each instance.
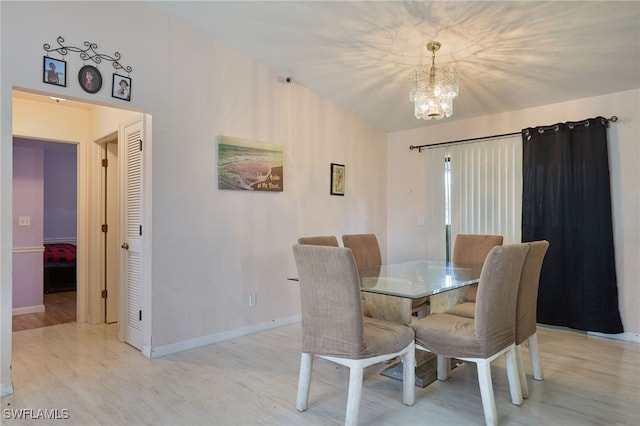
(629, 337)
(28, 310)
(220, 337)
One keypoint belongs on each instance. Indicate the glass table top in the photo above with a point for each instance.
(418, 279)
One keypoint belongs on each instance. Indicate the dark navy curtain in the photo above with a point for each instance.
(566, 200)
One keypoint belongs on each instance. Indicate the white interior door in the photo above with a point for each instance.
(113, 238)
(130, 149)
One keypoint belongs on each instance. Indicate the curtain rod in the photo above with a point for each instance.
(427, 146)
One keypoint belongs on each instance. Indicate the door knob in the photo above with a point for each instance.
(125, 246)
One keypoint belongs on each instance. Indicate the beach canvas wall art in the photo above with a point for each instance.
(249, 165)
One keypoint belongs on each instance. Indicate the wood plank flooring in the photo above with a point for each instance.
(252, 380)
(59, 308)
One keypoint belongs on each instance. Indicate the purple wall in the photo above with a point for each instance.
(60, 190)
(28, 200)
(44, 188)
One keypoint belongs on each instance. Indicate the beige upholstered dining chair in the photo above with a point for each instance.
(365, 248)
(491, 333)
(526, 311)
(472, 249)
(334, 328)
(366, 251)
(324, 240)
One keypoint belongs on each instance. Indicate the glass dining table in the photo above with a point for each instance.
(389, 289)
(442, 282)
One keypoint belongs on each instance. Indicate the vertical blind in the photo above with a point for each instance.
(435, 209)
(486, 189)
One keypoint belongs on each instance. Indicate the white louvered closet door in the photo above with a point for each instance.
(132, 254)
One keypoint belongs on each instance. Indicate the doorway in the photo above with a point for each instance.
(71, 121)
(45, 203)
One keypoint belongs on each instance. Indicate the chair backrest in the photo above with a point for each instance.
(526, 309)
(365, 248)
(332, 320)
(472, 249)
(328, 240)
(495, 315)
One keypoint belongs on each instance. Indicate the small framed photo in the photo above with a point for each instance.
(121, 87)
(337, 179)
(90, 79)
(55, 71)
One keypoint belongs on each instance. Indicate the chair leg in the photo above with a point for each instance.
(304, 381)
(486, 391)
(522, 373)
(355, 394)
(514, 376)
(409, 376)
(444, 367)
(535, 356)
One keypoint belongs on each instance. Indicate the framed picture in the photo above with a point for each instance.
(54, 72)
(121, 87)
(337, 179)
(249, 165)
(90, 79)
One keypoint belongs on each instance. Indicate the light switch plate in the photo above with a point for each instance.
(24, 220)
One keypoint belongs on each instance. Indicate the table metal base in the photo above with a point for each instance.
(426, 369)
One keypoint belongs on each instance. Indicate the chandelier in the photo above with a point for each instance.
(433, 88)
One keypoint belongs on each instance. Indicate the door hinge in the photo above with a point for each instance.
(139, 315)
(105, 162)
(105, 228)
(104, 294)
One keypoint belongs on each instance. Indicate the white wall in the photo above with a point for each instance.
(406, 186)
(210, 248)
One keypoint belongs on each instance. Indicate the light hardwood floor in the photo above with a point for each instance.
(59, 308)
(252, 381)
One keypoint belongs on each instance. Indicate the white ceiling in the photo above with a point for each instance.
(509, 54)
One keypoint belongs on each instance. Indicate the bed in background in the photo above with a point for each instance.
(59, 267)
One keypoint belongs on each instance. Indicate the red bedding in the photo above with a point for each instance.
(59, 252)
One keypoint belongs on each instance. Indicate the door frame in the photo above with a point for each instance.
(114, 228)
(82, 290)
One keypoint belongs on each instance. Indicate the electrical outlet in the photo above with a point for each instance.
(252, 299)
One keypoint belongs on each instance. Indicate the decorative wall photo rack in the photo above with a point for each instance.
(89, 76)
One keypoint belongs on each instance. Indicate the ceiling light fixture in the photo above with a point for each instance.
(433, 88)
(58, 100)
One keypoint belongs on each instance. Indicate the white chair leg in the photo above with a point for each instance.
(444, 367)
(486, 391)
(304, 381)
(535, 356)
(409, 376)
(522, 373)
(355, 394)
(514, 376)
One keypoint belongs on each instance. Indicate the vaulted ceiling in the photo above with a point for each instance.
(509, 55)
